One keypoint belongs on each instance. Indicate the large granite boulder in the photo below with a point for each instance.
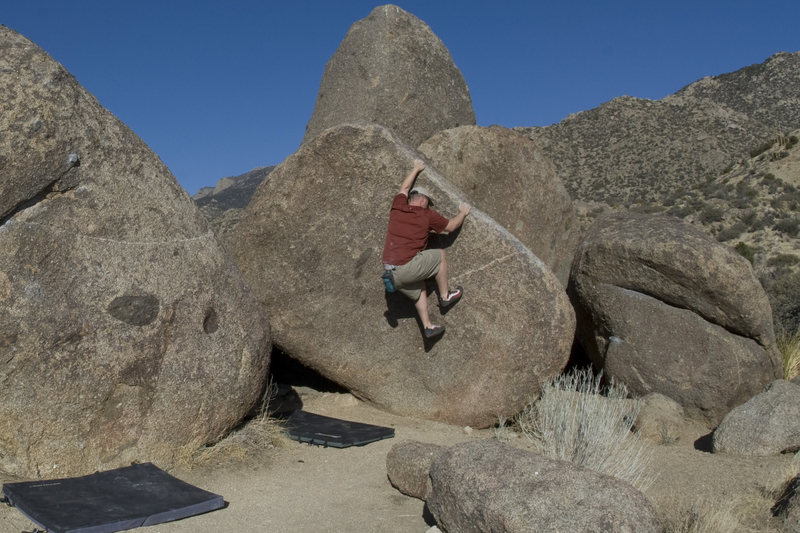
(766, 424)
(310, 245)
(508, 177)
(664, 308)
(125, 333)
(392, 70)
(491, 486)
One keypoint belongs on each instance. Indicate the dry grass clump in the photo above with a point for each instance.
(752, 512)
(578, 420)
(703, 518)
(258, 433)
(789, 346)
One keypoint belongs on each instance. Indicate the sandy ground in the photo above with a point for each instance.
(302, 488)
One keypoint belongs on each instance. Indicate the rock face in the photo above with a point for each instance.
(491, 486)
(663, 308)
(392, 70)
(125, 333)
(232, 192)
(224, 204)
(508, 177)
(310, 245)
(767, 424)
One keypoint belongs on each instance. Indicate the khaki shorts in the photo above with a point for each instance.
(410, 278)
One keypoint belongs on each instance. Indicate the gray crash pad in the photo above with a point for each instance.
(104, 502)
(327, 431)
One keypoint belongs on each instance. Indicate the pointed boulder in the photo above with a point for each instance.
(392, 70)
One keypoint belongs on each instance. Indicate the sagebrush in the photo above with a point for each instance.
(578, 420)
(789, 346)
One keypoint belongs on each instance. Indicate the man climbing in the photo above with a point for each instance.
(405, 252)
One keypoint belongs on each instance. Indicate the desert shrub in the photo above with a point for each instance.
(732, 232)
(696, 202)
(788, 200)
(789, 226)
(783, 260)
(748, 216)
(744, 190)
(646, 208)
(789, 346)
(680, 211)
(596, 212)
(771, 182)
(711, 214)
(784, 297)
(792, 141)
(577, 420)
(761, 148)
(745, 251)
(765, 221)
(716, 190)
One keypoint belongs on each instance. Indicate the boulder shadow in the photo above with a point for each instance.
(705, 443)
(443, 241)
(428, 516)
(398, 307)
(428, 344)
(286, 376)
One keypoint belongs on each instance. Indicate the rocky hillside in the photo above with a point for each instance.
(716, 154)
(222, 205)
(629, 150)
(752, 206)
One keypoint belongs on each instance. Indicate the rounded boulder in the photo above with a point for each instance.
(664, 308)
(508, 177)
(125, 332)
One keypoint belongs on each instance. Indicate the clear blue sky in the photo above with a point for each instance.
(219, 88)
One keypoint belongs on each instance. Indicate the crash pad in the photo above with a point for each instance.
(114, 500)
(328, 431)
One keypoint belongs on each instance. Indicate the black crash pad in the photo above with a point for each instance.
(103, 502)
(327, 431)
